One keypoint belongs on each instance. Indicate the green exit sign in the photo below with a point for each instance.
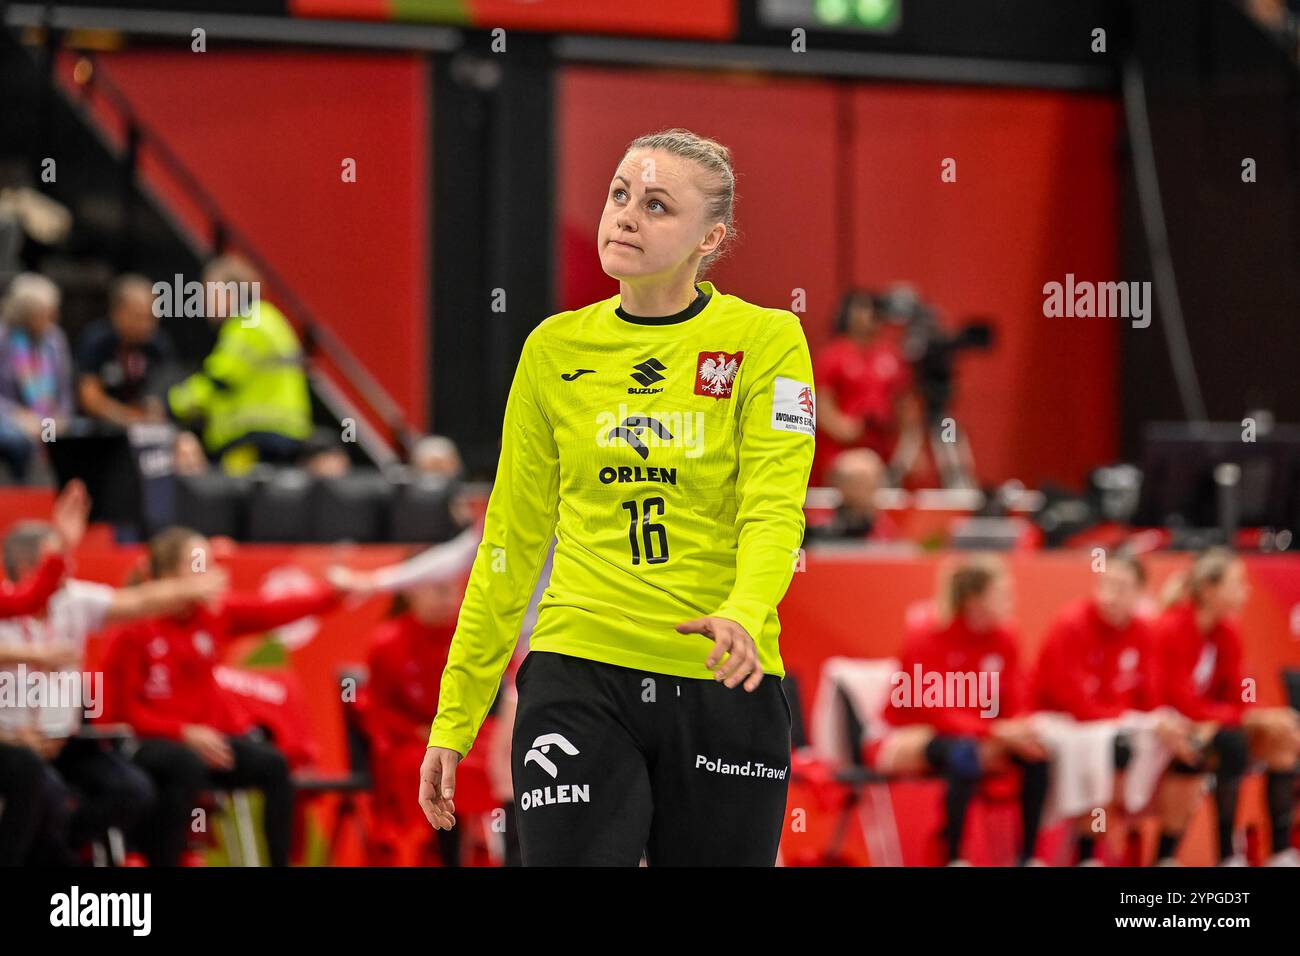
(873, 16)
(865, 14)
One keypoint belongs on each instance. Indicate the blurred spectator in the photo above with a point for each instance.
(35, 369)
(121, 355)
(857, 474)
(1201, 667)
(108, 791)
(193, 734)
(437, 455)
(324, 456)
(1097, 664)
(971, 643)
(407, 656)
(865, 392)
(252, 390)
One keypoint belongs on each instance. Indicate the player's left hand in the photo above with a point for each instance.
(732, 641)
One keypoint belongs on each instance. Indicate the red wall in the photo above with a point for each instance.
(840, 184)
(265, 133)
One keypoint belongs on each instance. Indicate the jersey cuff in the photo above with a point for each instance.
(457, 742)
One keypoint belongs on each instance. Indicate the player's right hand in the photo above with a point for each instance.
(438, 786)
(1020, 737)
(210, 744)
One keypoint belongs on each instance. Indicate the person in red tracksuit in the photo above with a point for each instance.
(971, 722)
(194, 736)
(867, 397)
(407, 655)
(1202, 675)
(1097, 663)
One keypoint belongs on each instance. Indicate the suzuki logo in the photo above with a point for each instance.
(542, 746)
(648, 371)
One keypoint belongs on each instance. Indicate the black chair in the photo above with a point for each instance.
(352, 507)
(421, 511)
(280, 506)
(213, 503)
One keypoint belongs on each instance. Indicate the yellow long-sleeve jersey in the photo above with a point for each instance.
(670, 462)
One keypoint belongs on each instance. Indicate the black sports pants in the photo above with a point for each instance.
(611, 762)
(180, 774)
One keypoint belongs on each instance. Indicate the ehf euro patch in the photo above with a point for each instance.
(715, 372)
(794, 407)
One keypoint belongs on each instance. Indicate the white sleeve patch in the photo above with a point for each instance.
(794, 407)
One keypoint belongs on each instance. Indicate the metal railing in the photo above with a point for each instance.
(390, 435)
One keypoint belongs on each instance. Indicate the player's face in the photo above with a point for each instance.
(653, 221)
(1117, 595)
(133, 316)
(992, 606)
(1228, 597)
(863, 320)
(41, 320)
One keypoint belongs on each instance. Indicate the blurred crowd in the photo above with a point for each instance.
(247, 404)
(125, 757)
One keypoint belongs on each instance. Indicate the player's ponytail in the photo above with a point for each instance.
(718, 185)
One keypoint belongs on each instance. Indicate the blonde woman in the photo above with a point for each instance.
(664, 436)
(977, 724)
(1201, 668)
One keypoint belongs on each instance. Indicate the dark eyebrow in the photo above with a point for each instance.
(649, 189)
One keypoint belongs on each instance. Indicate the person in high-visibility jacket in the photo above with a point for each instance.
(251, 392)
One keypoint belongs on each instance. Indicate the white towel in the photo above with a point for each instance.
(1083, 764)
(866, 684)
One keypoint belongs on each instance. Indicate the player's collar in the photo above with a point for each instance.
(702, 297)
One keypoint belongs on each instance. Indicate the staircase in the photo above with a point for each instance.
(57, 103)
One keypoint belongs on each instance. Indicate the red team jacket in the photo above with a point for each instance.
(1093, 671)
(867, 383)
(956, 648)
(406, 663)
(1200, 674)
(159, 671)
(30, 595)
